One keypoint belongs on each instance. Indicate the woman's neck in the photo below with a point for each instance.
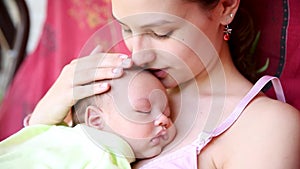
(211, 94)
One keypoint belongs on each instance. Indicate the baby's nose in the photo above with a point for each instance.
(162, 120)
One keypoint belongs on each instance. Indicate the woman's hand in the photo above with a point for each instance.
(79, 79)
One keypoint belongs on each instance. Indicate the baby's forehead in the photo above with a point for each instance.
(135, 78)
(136, 84)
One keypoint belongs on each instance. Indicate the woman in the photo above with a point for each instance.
(184, 43)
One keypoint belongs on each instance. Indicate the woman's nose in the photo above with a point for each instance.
(142, 58)
(142, 54)
(162, 120)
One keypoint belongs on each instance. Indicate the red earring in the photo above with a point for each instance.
(227, 32)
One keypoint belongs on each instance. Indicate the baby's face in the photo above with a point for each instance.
(142, 117)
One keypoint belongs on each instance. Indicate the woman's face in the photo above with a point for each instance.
(170, 37)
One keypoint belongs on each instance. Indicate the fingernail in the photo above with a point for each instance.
(117, 70)
(103, 85)
(123, 56)
(126, 63)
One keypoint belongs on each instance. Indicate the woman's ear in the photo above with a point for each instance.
(229, 9)
(94, 117)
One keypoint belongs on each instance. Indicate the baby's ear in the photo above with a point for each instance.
(94, 117)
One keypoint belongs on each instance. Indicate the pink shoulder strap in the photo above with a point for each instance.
(245, 101)
(205, 137)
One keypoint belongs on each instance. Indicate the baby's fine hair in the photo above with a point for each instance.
(78, 110)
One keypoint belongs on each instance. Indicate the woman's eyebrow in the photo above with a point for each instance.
(153, 24)
(156, 23)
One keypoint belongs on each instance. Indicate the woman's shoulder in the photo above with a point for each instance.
(266, 135)
(263, 114)
(273, 111)
(277, 119)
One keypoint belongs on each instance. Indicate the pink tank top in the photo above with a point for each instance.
(187, 156)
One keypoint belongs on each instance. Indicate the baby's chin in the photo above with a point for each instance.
(149, 153)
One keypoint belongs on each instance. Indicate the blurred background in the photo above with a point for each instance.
(32, 20)
(38, 38)
(37, 13)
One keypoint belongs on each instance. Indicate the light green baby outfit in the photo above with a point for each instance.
(55, 147)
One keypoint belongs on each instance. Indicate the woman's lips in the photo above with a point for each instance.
(159, 73)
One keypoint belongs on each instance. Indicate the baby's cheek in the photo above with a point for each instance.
(134, 131)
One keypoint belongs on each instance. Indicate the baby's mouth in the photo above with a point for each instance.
(160, 135)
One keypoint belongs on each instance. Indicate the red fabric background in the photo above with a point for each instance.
(279, 23)
(68, 25)
(291, 73)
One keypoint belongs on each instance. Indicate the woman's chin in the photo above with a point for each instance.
(169, 83)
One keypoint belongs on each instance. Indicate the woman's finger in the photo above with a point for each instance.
(80, 92)
(91, 75)
(102, 60)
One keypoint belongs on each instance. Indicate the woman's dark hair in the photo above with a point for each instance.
(241, 43)
(241, 39)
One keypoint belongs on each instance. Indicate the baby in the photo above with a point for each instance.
(110, 130)
(136, 109)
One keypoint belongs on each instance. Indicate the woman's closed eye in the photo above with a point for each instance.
(161, 35)
(152, 33)
(126, 32)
